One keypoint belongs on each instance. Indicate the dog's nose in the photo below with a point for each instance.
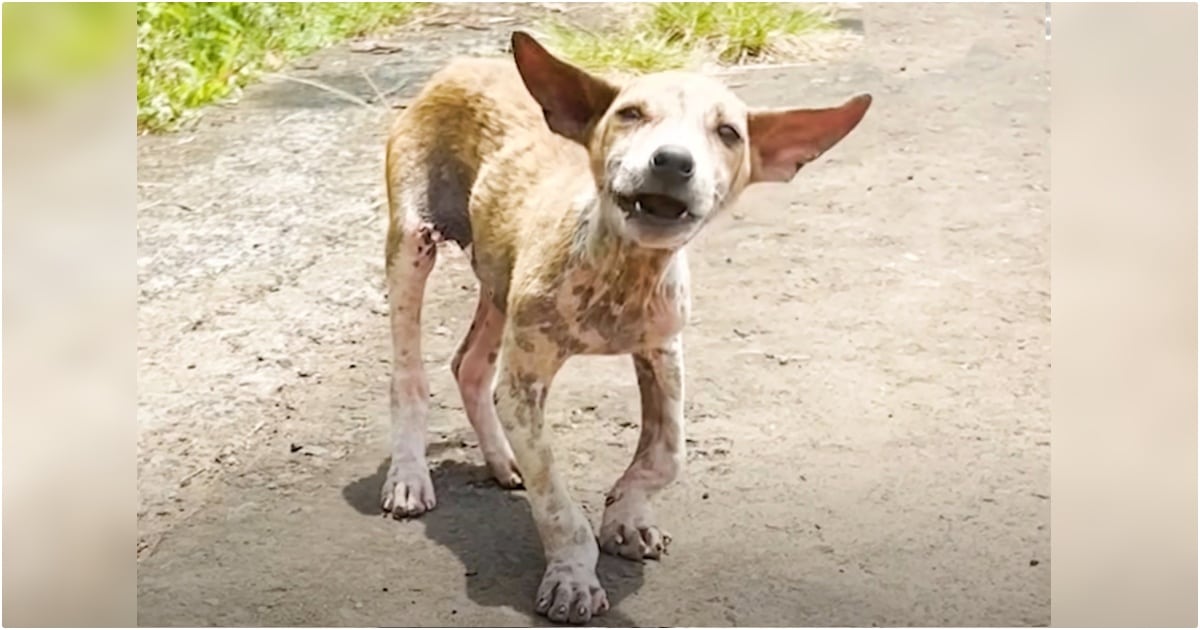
(673, 162)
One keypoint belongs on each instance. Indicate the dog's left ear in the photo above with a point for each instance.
(782, 141)
(572, 100)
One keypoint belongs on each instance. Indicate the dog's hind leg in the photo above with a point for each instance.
(474, 367)
(411, 253)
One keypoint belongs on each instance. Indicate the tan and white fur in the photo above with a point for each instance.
(574, 198)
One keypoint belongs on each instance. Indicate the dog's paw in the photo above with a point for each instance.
(570, 592)
(408, 490)
(628, 531)
(506, 473)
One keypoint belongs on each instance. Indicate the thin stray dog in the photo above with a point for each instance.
(573, 198)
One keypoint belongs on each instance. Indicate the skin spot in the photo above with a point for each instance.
(491, 357)
(541, 479)
(536, 313)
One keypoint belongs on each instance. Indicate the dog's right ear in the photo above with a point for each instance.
(572, 100)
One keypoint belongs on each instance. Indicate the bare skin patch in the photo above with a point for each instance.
(447, 195)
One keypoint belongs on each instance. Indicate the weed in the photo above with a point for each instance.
(668, 35)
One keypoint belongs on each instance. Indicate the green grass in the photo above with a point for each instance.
(190, 54)
(640, 51)
(671, 35)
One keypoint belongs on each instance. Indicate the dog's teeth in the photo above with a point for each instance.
(637, 206)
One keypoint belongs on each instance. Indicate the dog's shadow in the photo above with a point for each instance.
(492, 532)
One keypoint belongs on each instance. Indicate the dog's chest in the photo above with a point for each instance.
(622, 315)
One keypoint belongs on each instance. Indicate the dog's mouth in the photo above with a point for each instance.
(657, 208)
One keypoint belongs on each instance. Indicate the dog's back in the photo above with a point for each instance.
(474, 114)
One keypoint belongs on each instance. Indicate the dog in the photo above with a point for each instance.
(573, 197)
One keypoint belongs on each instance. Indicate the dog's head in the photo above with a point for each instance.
(670, 150)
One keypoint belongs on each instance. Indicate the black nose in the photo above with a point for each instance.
(673, 162)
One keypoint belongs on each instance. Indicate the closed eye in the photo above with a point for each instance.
(729, 134)
(631, 113)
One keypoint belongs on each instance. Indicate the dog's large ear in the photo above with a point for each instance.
(571, 99)
(782, 141)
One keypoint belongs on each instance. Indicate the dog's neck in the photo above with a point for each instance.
(600, 245)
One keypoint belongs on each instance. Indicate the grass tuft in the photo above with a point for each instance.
(670, 35)
(190, 54)
(640, 51)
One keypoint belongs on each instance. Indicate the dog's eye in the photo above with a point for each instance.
(729, 134)
(630, 114)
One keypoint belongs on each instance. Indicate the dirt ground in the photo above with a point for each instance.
(867, 365)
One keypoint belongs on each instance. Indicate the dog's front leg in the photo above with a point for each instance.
(629, 529)
(570, 590)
